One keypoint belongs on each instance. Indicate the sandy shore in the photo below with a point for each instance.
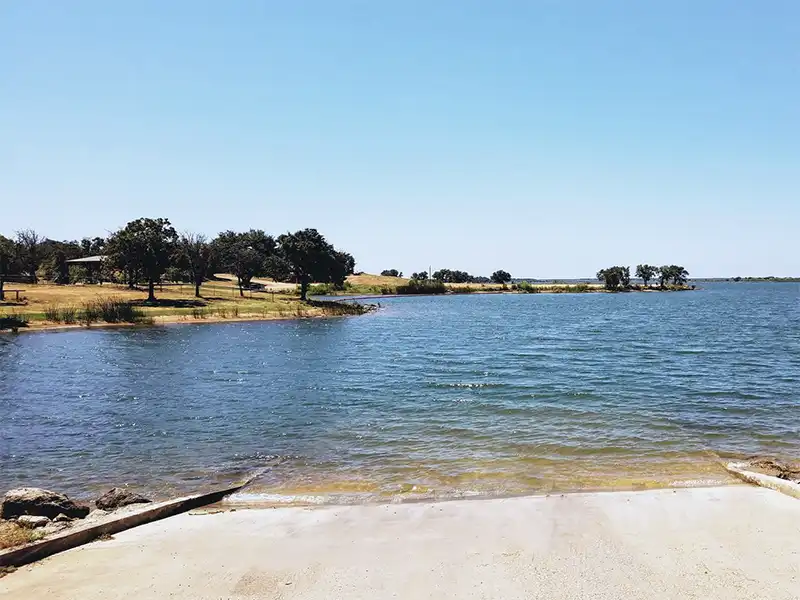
(719, 543)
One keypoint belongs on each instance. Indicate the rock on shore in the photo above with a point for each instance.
(119, 497)
(39, 503)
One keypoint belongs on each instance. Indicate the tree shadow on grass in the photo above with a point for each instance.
(171, 303)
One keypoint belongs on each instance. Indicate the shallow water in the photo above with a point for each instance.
(428, 397)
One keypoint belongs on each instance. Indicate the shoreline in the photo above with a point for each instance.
(475, 292)
(165, 322)
(730, 542)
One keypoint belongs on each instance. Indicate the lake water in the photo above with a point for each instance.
(428, 397)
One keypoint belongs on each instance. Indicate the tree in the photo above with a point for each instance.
(61, 268)
(615, 278)
(311, 258)
(54, 256)
(93, 246)
(646, 273)
(609, 277)
(391, 273)
(29, 249)
(195, 256)
(8, 261)
(501, 276)
(678, 274)
(420, 276)
(625, 277)
(245, 255)
(145, 247)
(448, 276)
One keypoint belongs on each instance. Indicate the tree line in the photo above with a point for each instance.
(451, 276)
(149, 250)
(617, 278)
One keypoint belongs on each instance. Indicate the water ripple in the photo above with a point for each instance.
(428, 398)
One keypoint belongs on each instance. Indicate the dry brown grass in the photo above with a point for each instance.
(220, 301)
(12, 535)
(376, 280)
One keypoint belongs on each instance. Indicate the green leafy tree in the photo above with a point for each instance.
(624, 277)
(29, 252)
(8, 261)
(92, 246)
(391, 273)
(420, 276)
(245, 255)
(55, 255)
(196, 258)
(678, 275)
(501, 276)
(609, 277)
(664, 275)
(311, 258)
(646, 273)
(615, 278)
(145, 247)
(449, 276)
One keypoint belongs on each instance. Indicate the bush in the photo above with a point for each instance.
(53, 313)
(13, 322)
(58, 314)
(528, 288)
(341, 308)
(90, 313)
(111, 310)
(422, 287)
(69, 315)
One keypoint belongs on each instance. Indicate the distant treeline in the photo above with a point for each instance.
(452, 276)
(151, 250)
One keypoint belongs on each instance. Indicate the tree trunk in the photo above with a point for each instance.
(196, 290)
(2, 293)
(303, 288)
(151, 296)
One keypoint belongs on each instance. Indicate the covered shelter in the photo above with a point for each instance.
(93, 266)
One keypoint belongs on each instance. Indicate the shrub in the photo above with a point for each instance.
(528, 288)
(12, 535)
(422, 287)
(52, 313)
(13, 322)
(341, 308)
(112, 310)
(69, 315)
(90, 313)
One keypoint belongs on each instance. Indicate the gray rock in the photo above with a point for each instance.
(32, 522)
(39, 503)
(62, 518)
(119, 497)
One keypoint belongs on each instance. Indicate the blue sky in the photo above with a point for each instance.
(547, 138)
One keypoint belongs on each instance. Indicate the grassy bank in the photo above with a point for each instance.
(375, 285)
(44, 306)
